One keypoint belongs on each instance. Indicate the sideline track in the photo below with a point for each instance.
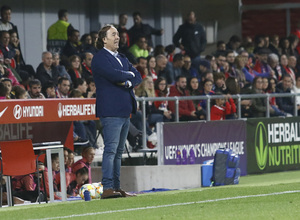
(170, 205)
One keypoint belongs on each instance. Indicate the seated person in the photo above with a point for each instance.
(49, 90)
(62, 72)
(219, 111)
(8, 83)
(91, 90)
(142, 66)
(34, 90)
(285, 104)
(187, 111)
(7, 73)
(86, 65)
(81, 178)
(55, 170)
(45, 72)
(75, 69)
(88, 154)
(7, 50)
(20, 92)
(139, 49)
(73, 45)
(25, 187)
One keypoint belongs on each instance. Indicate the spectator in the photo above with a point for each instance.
(261, 64)
(81, 86)
(7, 50)
(63, 88)
(60, 68)
(139, 49)
(19, 92)
(15, 43)
(284, 63)
(91, 90)
(292, 62)
(219, 111)
(237, 71)
(8, 83)
(293, 39)
(259, 105)
(141, 29)
(221, 60)
(49, 90)
(296, 89)
(187, 70)
(230, 56)
(274, 44)
(273, 62)
(187, 110)
(86, 65)
(213, 62)
(259, 42)
(174, 69)
(161, 90)
(142, 67)
(95, 36)
(35, 88)
(170, 50)
(46, 72)
(248, 71)
(154, 115)
(220, 84)
(203, 67)
(221, 47)
(151, 64)
(159, 49)
(88, 154)
(75, 69)
(193, 86)
(192, 36)
(57, 34)
(87, 44)
(202, 105)
(160, 68)
(284, 45)
(6, 73)
(285, 104)
(73, 45)
(234, 44)
(124, 48)
(123, 18)
(3, 91)
(5, 24)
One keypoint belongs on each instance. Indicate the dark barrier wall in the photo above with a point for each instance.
(273, 144)
(204, 138)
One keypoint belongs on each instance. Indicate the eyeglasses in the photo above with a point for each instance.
(162, 84)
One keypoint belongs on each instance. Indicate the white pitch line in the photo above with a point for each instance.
(169, 205)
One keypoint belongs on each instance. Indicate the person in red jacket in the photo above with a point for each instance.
(219, 110)
(187, 110)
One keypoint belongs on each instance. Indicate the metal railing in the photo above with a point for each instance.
(238, 97)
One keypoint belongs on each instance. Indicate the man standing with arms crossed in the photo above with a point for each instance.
(115, 78)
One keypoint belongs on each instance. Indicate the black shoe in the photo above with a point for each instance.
(81, 142)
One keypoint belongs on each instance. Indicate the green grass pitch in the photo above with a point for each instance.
(267, 196)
